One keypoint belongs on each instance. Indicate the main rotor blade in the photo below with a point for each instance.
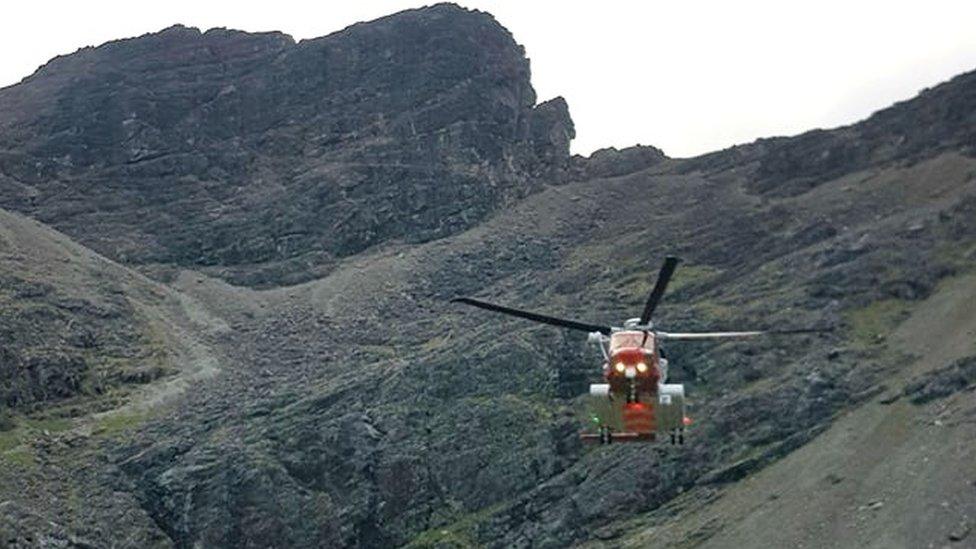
(554, 321)
(707, 335)
(727, 335)
(663, 278)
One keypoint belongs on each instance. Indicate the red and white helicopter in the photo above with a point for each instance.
(634, 403)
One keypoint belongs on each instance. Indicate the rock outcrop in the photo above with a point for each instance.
(265, 161)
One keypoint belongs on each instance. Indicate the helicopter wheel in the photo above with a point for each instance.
(672, 438)
(681, 436)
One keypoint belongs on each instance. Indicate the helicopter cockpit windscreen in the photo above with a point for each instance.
(620, 340)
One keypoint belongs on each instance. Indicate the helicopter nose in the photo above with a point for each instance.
(631, 372)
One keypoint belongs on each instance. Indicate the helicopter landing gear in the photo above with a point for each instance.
(677, 436)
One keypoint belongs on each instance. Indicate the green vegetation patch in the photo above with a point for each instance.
(640, 283)
(9, 440)
(957, 256)
(51, 425)
(688, 275)
(459, 534)
(437, 342)
(871, 325)
(20, 456)
(13, 450)
(113, 423)
(6, 420)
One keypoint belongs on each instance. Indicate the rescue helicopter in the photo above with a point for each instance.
(635, 403)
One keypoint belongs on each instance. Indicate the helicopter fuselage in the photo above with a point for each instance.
(634, 403)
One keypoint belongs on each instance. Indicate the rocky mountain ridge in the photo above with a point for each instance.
(266, 161)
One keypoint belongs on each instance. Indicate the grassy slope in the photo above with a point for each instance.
(48, 450)
(892, 474)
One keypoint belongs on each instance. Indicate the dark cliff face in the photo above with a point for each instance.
(266, 160)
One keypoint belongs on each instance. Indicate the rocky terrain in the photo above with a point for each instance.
(266, 161)
(226, 266)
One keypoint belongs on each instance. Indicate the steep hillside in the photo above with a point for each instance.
(87, 348)
(899, 471)
(316, 388)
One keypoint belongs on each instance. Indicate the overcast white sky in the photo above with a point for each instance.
(687, 76)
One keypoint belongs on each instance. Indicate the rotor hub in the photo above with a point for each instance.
(635, 324)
